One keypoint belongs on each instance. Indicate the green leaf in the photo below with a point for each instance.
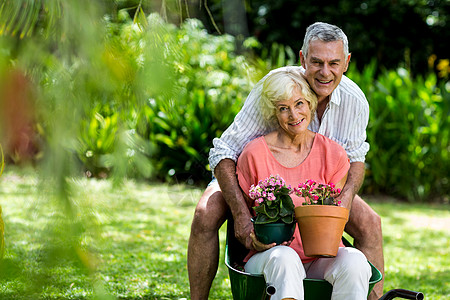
(288, 219)
(164, 139)
(264, 219)
(287, 206)
(271, 213)
(284, 191)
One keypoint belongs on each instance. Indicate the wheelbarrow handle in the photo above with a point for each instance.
(405, 294)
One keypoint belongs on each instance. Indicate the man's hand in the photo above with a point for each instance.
(353, 184)
(346, 199)
(258, 246)
(242, 231)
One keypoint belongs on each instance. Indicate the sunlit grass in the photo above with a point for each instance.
(416, 245)
(133, 243)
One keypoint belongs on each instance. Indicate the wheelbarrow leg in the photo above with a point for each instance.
(270, 290)
(405, 294)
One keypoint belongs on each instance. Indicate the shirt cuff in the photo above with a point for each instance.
(214, 160)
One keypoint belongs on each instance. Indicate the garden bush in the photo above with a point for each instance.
(408, 127)
(211, 83)
(146, 98)
(408, 133)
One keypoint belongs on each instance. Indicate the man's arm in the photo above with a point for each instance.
(354, 182)
(355, 145)
(225, 173)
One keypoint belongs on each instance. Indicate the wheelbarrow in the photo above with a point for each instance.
(246, 286)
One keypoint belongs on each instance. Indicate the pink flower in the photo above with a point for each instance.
(316, 193)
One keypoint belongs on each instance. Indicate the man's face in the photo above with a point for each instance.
(325, 65)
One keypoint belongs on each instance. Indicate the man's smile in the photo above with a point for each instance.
(324, 81)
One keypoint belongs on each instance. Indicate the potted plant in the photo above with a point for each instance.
(320, 219)
(274, 221)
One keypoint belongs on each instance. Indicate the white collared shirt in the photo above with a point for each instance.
(344, 121)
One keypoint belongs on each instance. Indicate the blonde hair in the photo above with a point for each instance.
(279, 85)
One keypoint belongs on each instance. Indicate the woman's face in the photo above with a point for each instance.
(294, 114)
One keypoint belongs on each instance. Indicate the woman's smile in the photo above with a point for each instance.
(296, 123)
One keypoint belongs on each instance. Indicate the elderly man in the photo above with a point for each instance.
(342, 115)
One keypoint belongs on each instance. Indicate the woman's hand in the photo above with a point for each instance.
(263, 247)
(288, 243)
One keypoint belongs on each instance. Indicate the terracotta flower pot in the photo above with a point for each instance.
(274, 232)
(321, 228)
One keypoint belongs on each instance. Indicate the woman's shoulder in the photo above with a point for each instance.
(255, 145)
(322, 141)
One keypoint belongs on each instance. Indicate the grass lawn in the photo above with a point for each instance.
(130, 242)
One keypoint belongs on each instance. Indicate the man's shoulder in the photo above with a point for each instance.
(349, 88)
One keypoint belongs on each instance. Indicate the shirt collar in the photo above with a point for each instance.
(336, 96)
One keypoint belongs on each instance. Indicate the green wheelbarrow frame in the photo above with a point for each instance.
(246, 286)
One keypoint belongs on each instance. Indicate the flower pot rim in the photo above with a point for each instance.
(331, 210)
(279, 222)
(321, 205)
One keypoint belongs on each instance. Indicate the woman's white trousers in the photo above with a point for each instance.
(348, 272)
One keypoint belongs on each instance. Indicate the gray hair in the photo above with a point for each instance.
(326, 33)
(279, 85)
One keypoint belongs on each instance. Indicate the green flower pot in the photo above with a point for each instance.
(274, 232)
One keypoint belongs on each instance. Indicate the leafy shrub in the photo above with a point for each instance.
(149, 99)
(408, 133)
(190, 85)
(211, 83)
(101, 139)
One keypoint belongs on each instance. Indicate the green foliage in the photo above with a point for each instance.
(136, 96)
(282, 208)
(408, 132)
(276, 56)
(99, 137)
(85, 91)
(2, 161)
(211, 83)
(407, 35)
(184, 87)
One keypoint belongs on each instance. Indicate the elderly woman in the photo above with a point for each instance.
(298, 154)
